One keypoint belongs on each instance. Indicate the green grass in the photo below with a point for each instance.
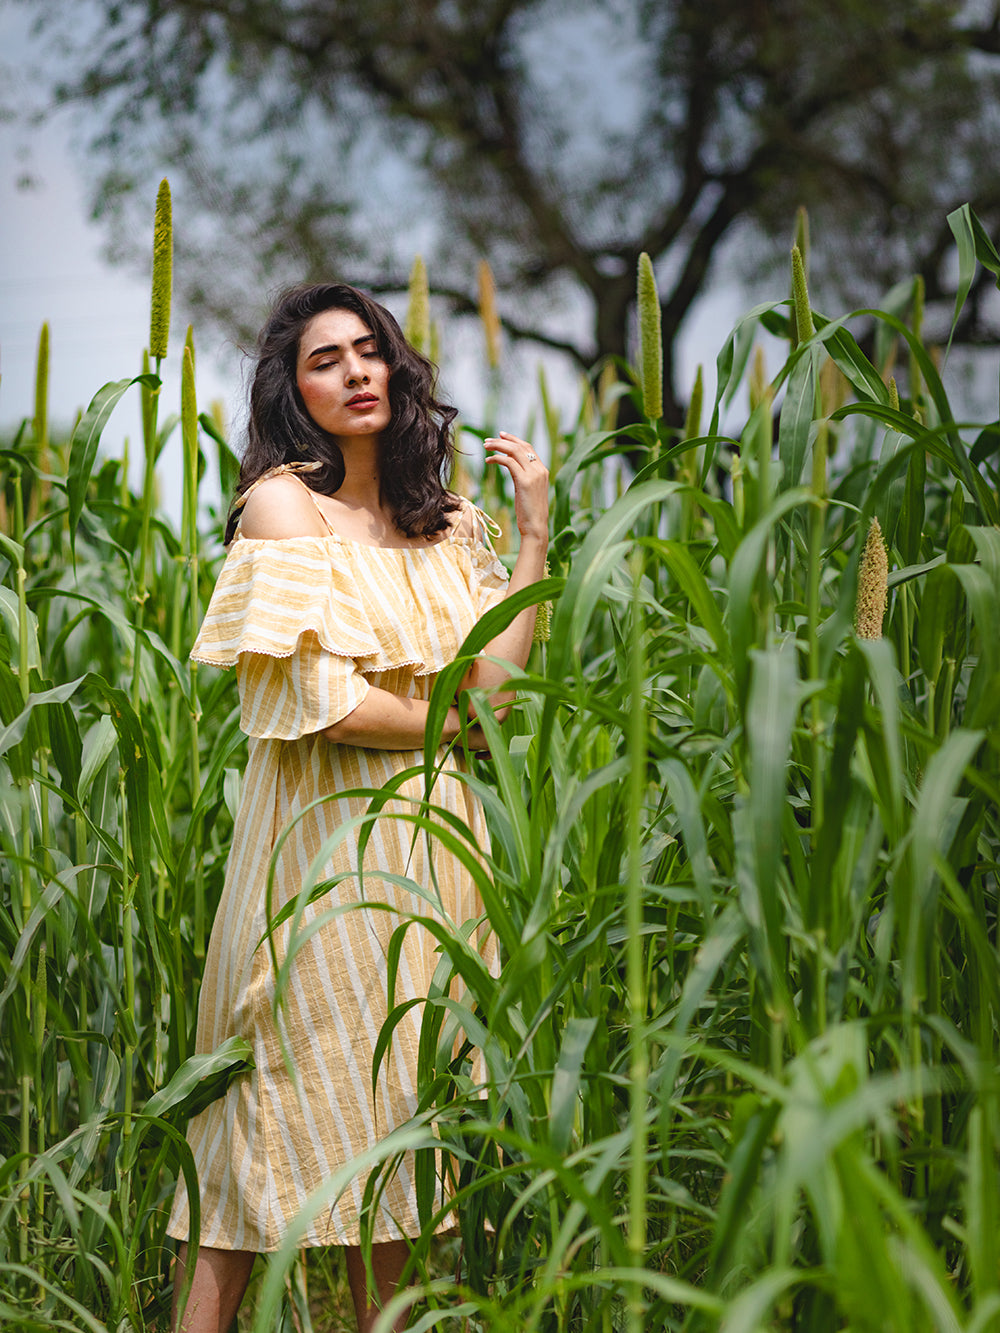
(742, 1047)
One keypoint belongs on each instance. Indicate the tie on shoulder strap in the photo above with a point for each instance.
(293, 468)
(491, 528)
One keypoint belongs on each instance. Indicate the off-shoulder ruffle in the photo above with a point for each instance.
(383, 608)
(283, 698)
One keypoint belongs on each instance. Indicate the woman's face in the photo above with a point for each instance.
(343, 380)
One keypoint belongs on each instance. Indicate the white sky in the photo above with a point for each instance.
(51, 269)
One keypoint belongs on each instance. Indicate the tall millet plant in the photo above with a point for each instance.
(159, 333)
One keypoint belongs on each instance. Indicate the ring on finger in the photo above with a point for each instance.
(532, 458)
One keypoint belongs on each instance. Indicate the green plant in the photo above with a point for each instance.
(741, 1052)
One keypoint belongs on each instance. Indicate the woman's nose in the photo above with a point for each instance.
(356, 373)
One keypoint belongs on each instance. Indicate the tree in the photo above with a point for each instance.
(557, 138)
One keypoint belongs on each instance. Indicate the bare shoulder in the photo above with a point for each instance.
(280, 507)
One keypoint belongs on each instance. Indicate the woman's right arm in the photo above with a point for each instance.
(386, 721)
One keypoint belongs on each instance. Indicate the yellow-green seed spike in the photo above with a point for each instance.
(802, 234)
(873, 583)
(692, 422)
(124, 491)
(919, 291)
(893, 393)
(40, 427)
(650, 340)
(418, 312)
(163, 273)
(916, 380)
(802, 241)
(543, 618)
(488, 314)
(758, 384)
(189, 416)
(804, 327)
(41, 421)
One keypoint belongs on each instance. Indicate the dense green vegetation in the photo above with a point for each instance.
(742, 1049)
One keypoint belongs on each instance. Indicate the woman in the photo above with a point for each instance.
(353, 578)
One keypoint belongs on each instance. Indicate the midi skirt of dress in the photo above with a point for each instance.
(311, 623)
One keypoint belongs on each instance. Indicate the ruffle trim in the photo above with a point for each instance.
(271, 593)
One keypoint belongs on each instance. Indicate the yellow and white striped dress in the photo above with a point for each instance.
(311, 623)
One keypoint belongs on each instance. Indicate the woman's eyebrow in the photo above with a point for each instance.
(335, 347)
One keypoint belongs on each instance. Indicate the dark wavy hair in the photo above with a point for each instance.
(417, 446)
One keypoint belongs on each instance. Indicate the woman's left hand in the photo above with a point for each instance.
(531, 509)
(531, 483)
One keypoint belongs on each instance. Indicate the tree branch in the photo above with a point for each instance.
(462, 303)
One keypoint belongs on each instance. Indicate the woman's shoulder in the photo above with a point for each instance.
(278, 507)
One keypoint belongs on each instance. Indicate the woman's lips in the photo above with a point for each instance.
(362, 400)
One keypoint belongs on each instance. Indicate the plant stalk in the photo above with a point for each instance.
(635, 970)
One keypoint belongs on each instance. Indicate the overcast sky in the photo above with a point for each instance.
(51, 269)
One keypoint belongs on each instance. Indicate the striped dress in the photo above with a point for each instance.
(311, 624)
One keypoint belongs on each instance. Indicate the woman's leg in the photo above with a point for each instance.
(220, 1279)
(388, 1261)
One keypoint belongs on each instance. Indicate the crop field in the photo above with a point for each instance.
(740, 1057)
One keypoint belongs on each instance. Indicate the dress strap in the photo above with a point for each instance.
(490, 527)
(292, 470)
